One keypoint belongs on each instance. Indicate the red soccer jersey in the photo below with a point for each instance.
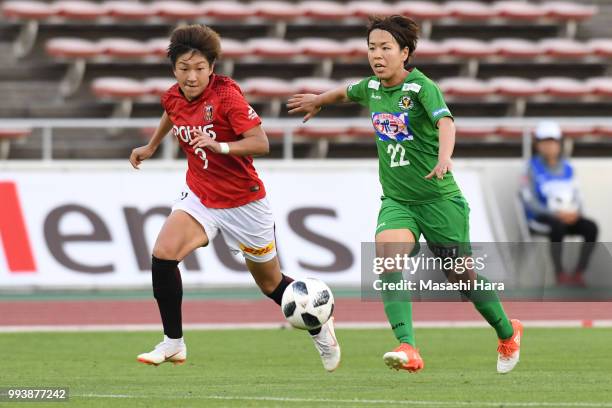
(219, 180)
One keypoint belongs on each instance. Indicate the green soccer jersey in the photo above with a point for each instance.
(405, 120)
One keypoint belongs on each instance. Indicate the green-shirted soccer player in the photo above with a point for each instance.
(415, 138)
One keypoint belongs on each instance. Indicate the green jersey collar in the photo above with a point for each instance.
(405, 86)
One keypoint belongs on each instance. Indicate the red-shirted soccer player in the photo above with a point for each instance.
(219, 132)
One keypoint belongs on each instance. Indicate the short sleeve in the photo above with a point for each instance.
(433, 102)
(168, 99)
(357, 92)
(240, 115)
(164, 100)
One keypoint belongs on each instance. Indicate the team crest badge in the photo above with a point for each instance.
(405, 103)
(208, 113)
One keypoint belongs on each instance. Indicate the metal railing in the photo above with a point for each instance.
(48, 126)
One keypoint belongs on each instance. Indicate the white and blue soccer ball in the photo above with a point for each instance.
(307, 303)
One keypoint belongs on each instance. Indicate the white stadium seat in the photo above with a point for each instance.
(272, 48)
(519, 10)
(564, 48)
(431, 49)
(575, 131)
(475, 131)
(231, 48)
(601, 47)
(177, 9)
(28, 10)
(158, 86)
(423, 10)
(325, 10)
(601, 86)
(80, 9)
(516, 48)
(125, 48)
(364, 9)
(471, 10)
(357, 47)
(603, 130)
(128, 10)
(158, 46)
(264, 87)
(469, 48)
(361, 131)
(568, 11)
(515, 87)
(72, 48)
(465, 87)
(510, 131)
(112, 87)
(563, 87)
(321, 47)
(226, 10)
(314, 85)
(276, 10)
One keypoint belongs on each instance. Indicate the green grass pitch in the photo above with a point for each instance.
(280, 368)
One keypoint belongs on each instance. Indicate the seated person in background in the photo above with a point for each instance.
(552, 201)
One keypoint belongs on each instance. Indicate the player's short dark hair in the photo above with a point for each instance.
(194, 38)
(403, 29)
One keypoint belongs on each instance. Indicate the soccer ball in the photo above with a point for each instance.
(307, 304)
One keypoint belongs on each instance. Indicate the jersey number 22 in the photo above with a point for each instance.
(397, 151)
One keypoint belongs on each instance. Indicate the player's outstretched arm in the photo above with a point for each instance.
(254, 143)
(311, 104)
(144, 152)
(447, 145)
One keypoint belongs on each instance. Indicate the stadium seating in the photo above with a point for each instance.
(491, 58)
(317, 47)
(314, 9)
(461, 87)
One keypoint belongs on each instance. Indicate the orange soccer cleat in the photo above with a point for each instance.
(404, 357)
(509, 349)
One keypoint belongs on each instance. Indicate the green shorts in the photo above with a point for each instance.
(445, 224)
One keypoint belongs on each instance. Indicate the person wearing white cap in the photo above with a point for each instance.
(552, 201)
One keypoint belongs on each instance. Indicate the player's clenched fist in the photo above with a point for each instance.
(201, 139)
(305, 103)
(140, 154)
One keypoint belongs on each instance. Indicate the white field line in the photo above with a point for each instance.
(363, 401)
(261, 326)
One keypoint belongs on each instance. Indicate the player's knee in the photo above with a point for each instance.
(165, 250)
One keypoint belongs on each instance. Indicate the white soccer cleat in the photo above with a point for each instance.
(509, 349)
(165, 352)
(327, 345)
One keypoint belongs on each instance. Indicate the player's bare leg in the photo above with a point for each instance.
(267, 275)
(273, 283)
(397, 304)
(180, 235)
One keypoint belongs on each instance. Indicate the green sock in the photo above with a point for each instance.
(398, 309)
(489, 306)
